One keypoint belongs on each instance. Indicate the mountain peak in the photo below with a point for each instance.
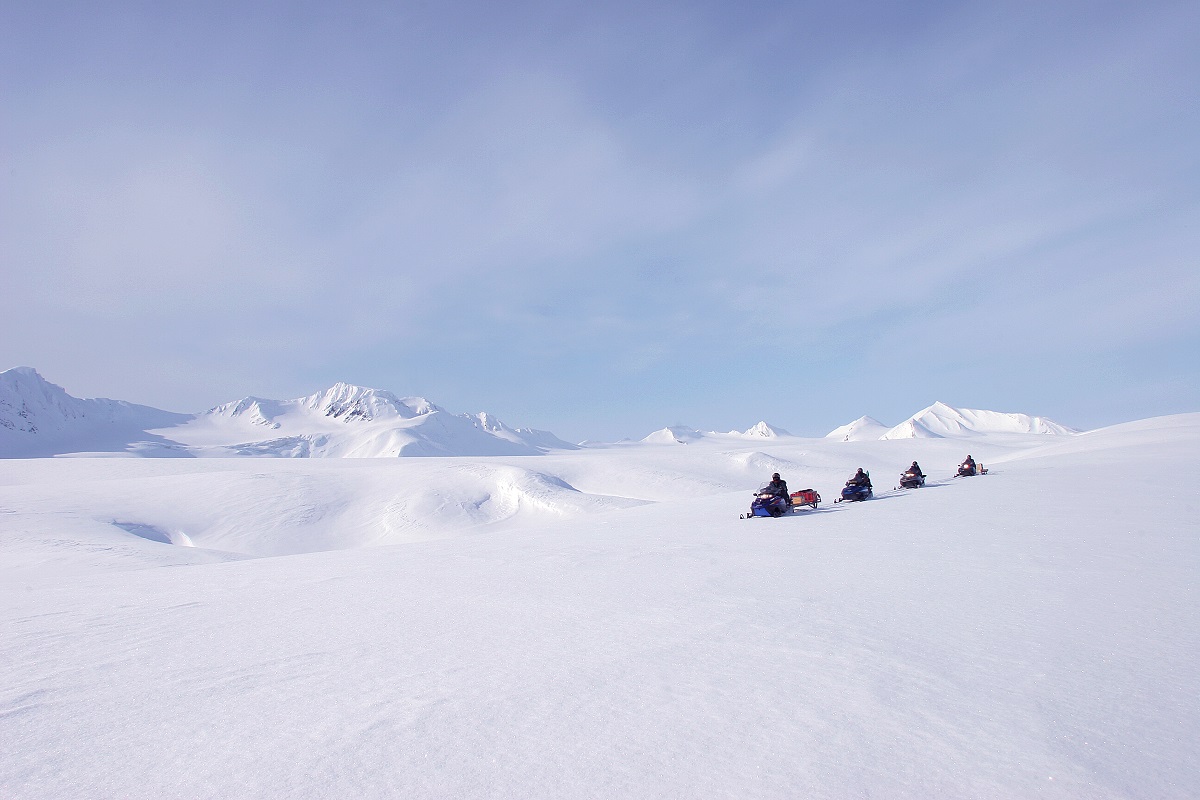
(862, 429)
(765, 430)
(674, 434)
(39, 418)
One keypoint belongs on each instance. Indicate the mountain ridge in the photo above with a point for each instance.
(40, 419)
(943, 421)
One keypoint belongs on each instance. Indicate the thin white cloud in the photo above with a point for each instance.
(633, 188)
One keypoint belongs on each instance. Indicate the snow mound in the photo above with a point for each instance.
(862, 429)
(942, 421)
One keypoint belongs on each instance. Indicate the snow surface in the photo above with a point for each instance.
(599, 623)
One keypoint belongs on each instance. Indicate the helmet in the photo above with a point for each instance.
(775, 477)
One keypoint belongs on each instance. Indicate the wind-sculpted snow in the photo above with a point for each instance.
(599, 622)
(244, 507)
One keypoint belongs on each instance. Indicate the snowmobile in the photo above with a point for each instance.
(767, 504)
(967, 470)
(911, 480)
(853, 492)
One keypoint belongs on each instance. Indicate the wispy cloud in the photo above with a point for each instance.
(606, 198)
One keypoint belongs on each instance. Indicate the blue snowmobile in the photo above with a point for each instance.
(853, 492)
(768, 504)
(857, 488)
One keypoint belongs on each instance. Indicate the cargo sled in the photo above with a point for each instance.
(806, 497)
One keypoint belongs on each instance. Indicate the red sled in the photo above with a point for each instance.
(806, 497)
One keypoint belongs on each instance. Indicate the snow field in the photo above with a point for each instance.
(614, 631)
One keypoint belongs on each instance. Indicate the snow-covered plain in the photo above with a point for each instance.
(599, 623)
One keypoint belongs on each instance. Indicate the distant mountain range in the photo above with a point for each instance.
(942, 421)
(38, 418)
(679, 434)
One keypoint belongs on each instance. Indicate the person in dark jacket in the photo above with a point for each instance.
(778, 486)
(915, 470)
(967, 467)
(860, 478)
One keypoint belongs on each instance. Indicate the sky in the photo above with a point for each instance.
(602, 219)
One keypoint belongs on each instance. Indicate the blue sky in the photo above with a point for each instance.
(603, 220)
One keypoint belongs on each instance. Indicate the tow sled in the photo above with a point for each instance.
(806, 497)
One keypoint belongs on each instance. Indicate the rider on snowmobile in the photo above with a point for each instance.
(778, 486)
(860, 478)
(967, 467)
(915, 470)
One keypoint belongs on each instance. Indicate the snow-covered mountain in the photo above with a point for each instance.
(674, 434)
(862, 429)
(357, 422)
(681, 434)
(940, 421)
(38, 418)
